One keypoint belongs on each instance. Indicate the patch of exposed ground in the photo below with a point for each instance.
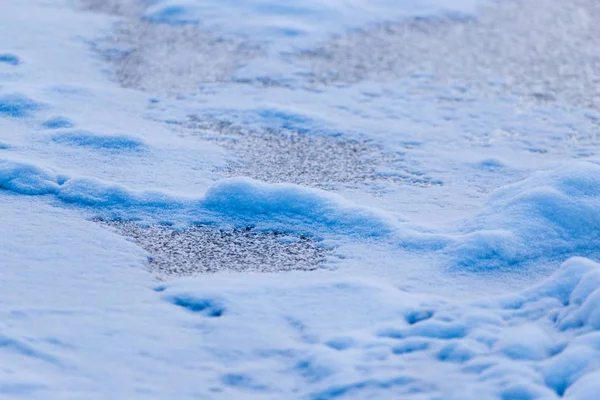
(204, 249)
(130, 8)
(279, 155)
(165, 58)
(542, 49)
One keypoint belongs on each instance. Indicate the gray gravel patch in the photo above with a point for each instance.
(280, 155)
(130, 8)
(204, 249)
(163, 58)
(174, 59)
(542, 49)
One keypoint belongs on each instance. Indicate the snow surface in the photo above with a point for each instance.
(425, 173)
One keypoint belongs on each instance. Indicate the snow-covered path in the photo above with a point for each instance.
(313, 200)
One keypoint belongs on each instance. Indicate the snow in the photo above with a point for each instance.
(241, 200)
(273, 20)
(17, 106)
(10, 59)
(265, 200)
(549, 214)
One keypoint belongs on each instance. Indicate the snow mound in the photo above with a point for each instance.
(272, 19)
(542, 342)
(238, 201)
(286, 154)
(27, 179)
(173, 59)
(255, 201)
(551, 214)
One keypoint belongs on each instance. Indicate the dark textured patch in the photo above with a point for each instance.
(282, 155)
(172, 58)
(203, 249)
(545, 50)
(129, 8)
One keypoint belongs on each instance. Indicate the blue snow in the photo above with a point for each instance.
(8, 58)
(17, 106)
(58, 123)
(551, 214)
(241, 201)
(246, 199)
(99, 141)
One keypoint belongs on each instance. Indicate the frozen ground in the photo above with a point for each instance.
(205, 249)
(337, 199)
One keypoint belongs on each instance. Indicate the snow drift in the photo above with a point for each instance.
(551, 214)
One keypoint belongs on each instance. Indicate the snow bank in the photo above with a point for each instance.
(254, 201)
(239, 201)
(27, 179)
(550, 214)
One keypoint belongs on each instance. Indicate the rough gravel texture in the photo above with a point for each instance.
(165, 58)
(175, 59)
(130, 8)
(543, 49)
(278, 155)
(204, 249)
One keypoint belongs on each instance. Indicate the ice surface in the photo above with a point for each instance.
(205, 249)
(174, 58)
(393, 199)
(288, 154)
(544, 50)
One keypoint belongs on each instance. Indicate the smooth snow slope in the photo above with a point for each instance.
(438, 161)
